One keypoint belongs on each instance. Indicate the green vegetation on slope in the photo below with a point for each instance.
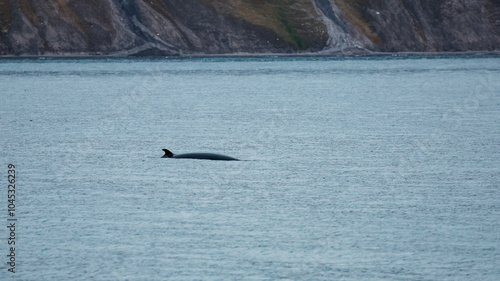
(295, 21)
(28, 10)
(5, 16)
(355, 12)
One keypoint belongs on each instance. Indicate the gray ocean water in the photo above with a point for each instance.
(381, 168)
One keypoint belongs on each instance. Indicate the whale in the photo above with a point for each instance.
(205, 156)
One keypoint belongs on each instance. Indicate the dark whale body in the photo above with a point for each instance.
(207, 156)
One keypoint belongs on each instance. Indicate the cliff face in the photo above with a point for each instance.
(423, 25)
(177, 27)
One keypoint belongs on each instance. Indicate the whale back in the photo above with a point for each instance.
(208, 156)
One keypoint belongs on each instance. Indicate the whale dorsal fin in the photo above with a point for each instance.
(168, 153)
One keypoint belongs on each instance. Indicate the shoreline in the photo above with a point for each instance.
(258, 55)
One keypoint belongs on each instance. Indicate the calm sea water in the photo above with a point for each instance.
(355, 169)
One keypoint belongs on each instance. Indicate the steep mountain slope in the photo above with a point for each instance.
(184, 27)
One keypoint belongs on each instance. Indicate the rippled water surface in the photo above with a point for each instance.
(354, 169)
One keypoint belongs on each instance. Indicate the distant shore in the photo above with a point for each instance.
(255, 55)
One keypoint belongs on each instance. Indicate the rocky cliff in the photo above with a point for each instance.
(187, 27)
